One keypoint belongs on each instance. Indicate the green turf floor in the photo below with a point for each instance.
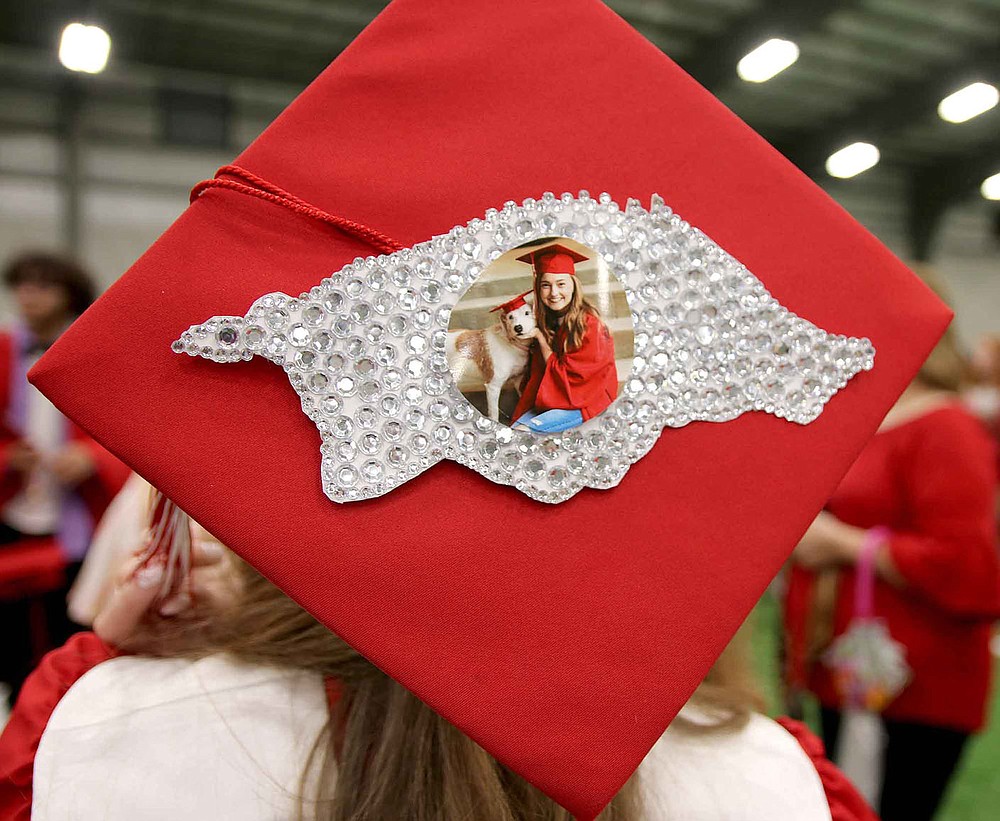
(974, 794)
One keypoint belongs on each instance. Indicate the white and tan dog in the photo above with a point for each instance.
(493, 356)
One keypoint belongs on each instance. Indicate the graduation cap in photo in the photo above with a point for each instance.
(344, 233)
(553, 259)
(512, 304)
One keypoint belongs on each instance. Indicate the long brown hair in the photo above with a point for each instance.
(383, 753)
(946, 367)
(574, 318)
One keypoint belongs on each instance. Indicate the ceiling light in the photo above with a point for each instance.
(852, 160)
(968, 102)
(766, 60)
(991, 187)
(84, 48)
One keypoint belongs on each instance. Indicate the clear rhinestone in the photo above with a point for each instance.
(253, 337)
(306, 360)
(534, 469)
(392, 378)
(390, 405)
(347, 476)
(277, 319)
(346, 451)
(341, 427)
(333, 301)
(369, 443)
(414, 368)
(414, 418)
(313, 315)
(298, 335)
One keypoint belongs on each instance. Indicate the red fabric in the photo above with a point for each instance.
(510, 639)
(846, 803)
(553, 259)
(42, 691)
(584, 379)
(31, 567)
(932, 481)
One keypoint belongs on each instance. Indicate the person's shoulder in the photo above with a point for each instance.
(223, 737)
(123, 685)
(758, 771)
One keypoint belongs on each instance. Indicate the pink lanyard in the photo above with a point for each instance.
(864, 582)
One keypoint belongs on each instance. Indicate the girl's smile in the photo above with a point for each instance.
(556, 291)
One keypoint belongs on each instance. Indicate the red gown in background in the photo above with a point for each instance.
(932, 481)
(585, 379)
(35, 565)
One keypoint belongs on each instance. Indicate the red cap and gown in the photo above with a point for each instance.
(584, 378)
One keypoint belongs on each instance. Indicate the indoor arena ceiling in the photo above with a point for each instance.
(870, 70)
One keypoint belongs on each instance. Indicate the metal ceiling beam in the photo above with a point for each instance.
(902, 104)
(325, 33)
(715, 58)
(935, 188)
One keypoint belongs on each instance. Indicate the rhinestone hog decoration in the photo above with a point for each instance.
(365, 351)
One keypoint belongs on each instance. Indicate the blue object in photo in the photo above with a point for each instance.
(550, 421)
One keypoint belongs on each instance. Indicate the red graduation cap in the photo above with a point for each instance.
(553, 259)
(567, 651)
(512, 304)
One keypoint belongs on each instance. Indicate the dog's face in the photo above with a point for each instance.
(520, 323)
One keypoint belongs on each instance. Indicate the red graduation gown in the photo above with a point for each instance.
(931, 480)
(585, 379)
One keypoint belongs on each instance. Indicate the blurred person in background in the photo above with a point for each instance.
(982, 395)
(922, 495)
(55, 481)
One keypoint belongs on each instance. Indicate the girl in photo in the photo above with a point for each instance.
(572, 375)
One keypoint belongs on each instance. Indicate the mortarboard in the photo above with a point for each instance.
(512, 304)
(567, 651)
(553, 259)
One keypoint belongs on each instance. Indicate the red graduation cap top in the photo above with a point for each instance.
(553, 259)
(512, 304)
(566, 651)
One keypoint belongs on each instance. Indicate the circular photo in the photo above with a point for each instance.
(543, 340)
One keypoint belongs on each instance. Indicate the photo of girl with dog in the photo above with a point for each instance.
(563, 344)
(572, 375)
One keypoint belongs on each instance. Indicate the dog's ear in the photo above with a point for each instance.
(530, 298)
